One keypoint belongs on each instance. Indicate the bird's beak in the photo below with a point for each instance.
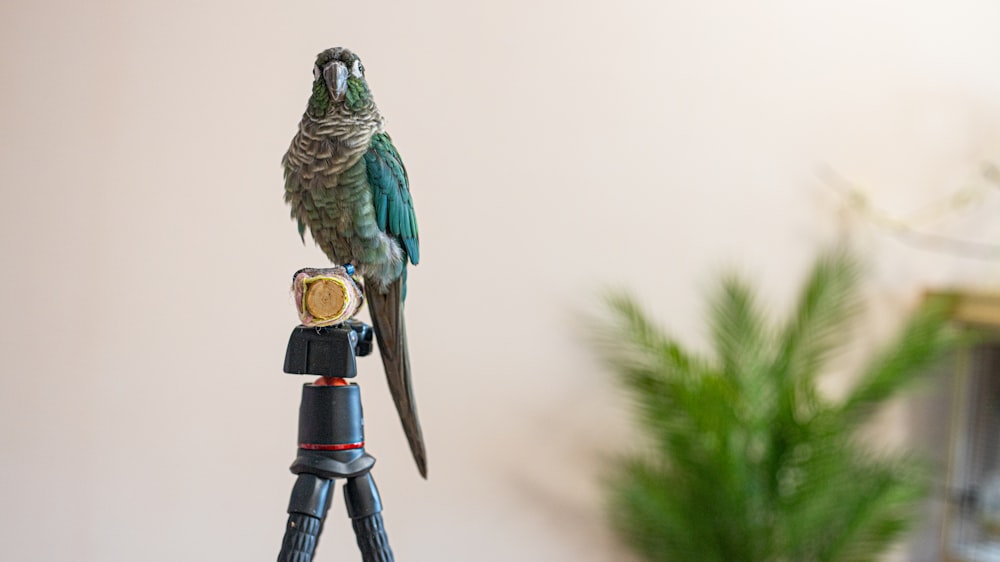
(335, 75)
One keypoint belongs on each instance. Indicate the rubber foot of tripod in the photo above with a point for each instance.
(372, 540)
(301, 534)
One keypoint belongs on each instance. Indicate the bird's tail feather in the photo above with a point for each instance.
(390, 330)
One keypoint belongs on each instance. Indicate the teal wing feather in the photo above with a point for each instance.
(391, 194)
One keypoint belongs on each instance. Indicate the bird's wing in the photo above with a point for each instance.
(391, 194)
(394, 213)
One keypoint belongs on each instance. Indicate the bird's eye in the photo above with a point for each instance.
(316, 73)
(357, 70)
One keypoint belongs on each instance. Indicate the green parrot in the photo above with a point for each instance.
(346, 183)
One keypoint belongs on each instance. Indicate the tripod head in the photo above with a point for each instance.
(328, 351)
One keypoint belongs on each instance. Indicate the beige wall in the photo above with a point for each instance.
(554, 148)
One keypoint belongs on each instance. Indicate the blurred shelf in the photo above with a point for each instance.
(980, 309)
(974, 452)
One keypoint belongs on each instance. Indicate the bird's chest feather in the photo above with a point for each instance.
(328, 185)
(345, 215)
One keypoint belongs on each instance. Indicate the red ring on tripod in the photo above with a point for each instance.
(331, 446)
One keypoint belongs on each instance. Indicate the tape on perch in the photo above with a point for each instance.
(325, 297)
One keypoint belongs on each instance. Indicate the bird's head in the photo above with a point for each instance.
(338, 81)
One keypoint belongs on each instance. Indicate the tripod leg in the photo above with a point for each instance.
(365, 508)
(306, 511)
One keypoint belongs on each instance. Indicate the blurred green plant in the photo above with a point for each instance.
(748, 461)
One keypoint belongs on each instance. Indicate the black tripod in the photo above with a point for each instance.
(331, 443)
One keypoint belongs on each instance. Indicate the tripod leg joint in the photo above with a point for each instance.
(310, 496)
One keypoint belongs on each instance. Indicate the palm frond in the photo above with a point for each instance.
(828, 302)
(924, 340)
(739, 329)
(655, 369)
(747, 460)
